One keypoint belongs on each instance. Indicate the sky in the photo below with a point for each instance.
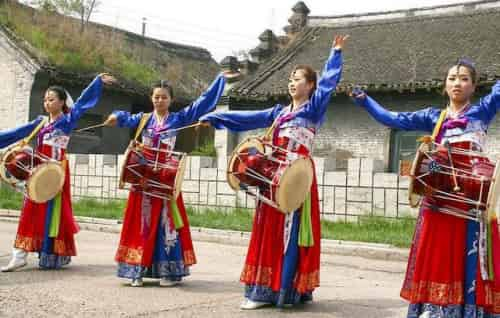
(228, 27)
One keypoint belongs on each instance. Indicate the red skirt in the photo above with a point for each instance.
(436, 266)
(32, 224)
(264, 260)
(135, 248)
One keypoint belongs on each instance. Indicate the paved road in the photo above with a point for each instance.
(350, 286)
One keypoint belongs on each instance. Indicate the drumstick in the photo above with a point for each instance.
(90, 127)
(456, 188)
(181, 128)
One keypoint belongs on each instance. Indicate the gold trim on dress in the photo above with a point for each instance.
(129, 255)
(436, 293)
(60, 248)
(259, 275)
(305, 282)
(28, 244)
(189, 258)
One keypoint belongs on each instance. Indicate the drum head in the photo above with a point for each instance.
(413, 197)
(45, 182)
(7, 155)
(4, 173)
(491, 203)
(130, 148)
(179, 177)
(251, 142)
(295, 184)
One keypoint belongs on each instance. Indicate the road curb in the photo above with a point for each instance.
(346, 248)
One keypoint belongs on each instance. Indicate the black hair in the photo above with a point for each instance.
(61, 94)
(163, 84)
(461, 62)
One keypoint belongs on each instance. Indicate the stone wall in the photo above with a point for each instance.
(16, 78)
(362, 189)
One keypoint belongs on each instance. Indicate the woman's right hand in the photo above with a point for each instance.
(111, 121)
(357, 93)
(205, 124)
(107, 78)
(339, 41)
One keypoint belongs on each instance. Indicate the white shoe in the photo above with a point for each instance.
(137, 282)
(165, 282)
(248, 304)
(425, 314)
(15, 263)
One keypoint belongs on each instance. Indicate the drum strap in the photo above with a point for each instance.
(270, 130)
(142, 124)
(439, 123)
(36, 130)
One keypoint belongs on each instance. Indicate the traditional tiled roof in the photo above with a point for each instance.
(397, 52)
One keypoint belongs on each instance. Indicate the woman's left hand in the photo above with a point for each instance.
(205, 124)
(357, 93)
(339, 41)
(107, 78)
(230, 74)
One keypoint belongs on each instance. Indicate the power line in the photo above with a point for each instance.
(199, 37)
(151, 16)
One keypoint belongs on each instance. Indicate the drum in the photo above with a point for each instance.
(269, 173)
(39, 177)
(461, 181)
(154, 171)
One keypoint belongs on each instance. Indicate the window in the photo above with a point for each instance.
(403, 149)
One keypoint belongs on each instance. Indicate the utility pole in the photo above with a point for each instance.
(143, 38)
(143, 27)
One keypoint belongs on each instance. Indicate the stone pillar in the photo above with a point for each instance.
(269, 45)
(221, 142)
(247, 67)
(223, 138)
(298, 20)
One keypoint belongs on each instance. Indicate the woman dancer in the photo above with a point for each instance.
(49, 228)
(155, 240)
(443, 277)
(282, 263)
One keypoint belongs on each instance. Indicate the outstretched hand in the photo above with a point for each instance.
(357, 93)
(205, 124)
(230, 74)
(107, 78)
(111, 121)
(339, 41)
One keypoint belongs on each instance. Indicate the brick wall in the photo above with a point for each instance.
(363, 189)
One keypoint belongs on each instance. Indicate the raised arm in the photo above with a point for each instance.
(242, 120)
(328, 81)
(491, 102)
(10, 136)
(89, 98)
(205, 103)
(424, 119)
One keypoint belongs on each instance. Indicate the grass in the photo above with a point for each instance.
(235, 219)
(397, 232)
(10, 199)
(66, 47)
(108, 209)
